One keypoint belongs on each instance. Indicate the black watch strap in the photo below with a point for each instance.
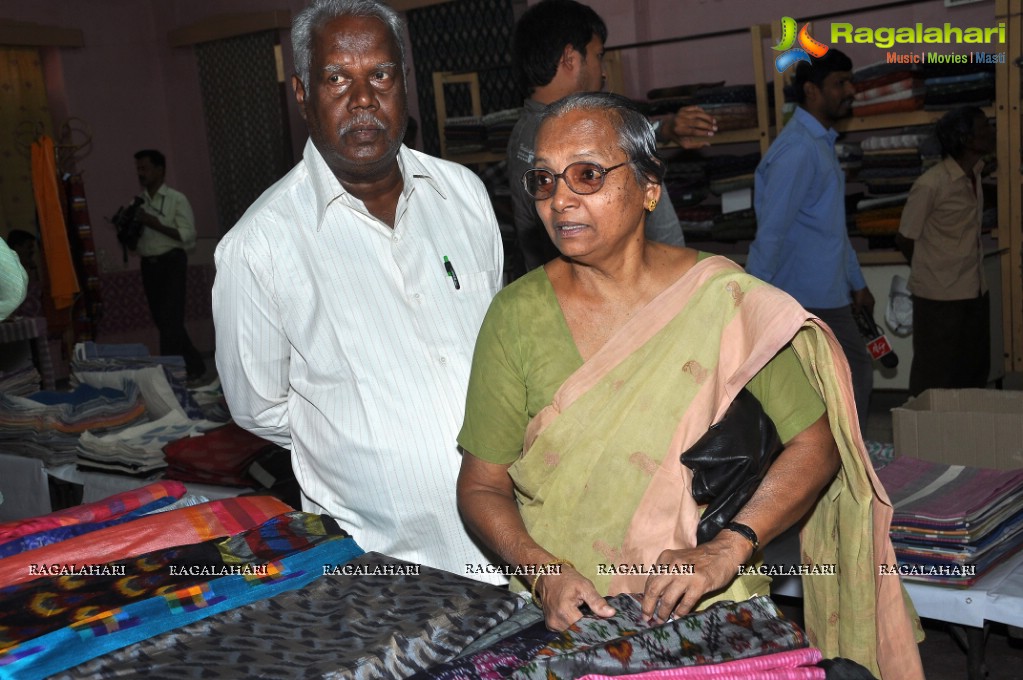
(746, 532)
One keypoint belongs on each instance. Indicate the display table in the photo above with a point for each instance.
(995, 597)
(25, 486)
(99, 485)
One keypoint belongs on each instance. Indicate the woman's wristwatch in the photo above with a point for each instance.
(746, 532)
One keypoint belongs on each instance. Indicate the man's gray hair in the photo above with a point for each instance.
(320, 12)
(636, 135)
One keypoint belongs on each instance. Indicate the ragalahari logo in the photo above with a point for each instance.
(808, 46)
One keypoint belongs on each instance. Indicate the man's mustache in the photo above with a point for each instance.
(366, 121)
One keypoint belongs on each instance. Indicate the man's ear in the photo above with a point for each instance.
(569, 58)
(810, 92)
(299, 88)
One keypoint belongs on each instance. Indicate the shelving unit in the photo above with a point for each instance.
(1010, 183)
(442, 79)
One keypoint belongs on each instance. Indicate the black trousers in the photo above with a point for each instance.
(951, 343)
(163, 279)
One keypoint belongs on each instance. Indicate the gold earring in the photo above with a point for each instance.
(651, 205)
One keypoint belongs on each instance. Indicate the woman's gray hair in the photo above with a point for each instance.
(320, 12)
(636, 135)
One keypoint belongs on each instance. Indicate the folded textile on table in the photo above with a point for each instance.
(499, 652)
(92, 350)
(21, 382)
(798, 664)
(194, 524)
(84, 408)
(385, 618)
(218, 456)
(627, 644)
(160, 379)
(116, 628)
(139, 448)
(952, 523)
(47, 603)
(47, 537)
(107, 508)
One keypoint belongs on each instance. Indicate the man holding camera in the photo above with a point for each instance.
(169, 230)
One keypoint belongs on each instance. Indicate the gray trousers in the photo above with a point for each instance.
(843, 325)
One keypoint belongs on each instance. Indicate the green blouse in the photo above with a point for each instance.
(525, 351)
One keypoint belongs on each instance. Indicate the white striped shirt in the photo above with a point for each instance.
(347, 342)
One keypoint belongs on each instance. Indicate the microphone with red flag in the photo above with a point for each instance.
(877, 342)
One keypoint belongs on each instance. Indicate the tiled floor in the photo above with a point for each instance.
(943, 658)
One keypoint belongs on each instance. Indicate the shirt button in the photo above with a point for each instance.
(417, 297)
(395, 238)
(443, 361)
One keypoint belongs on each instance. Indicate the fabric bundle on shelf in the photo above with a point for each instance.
(686, 182)
(889, 92)
(951, 85)
(952, 523)
(698, 220)
(499, 127)
(465, 134)
(734, 106)
(889, 165)
(729, 172)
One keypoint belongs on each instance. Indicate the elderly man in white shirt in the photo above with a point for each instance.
(348, 298)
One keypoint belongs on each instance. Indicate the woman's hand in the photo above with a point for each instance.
(563, 594)
(704, 569)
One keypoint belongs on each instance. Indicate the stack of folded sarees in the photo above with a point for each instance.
(47, 425)
(951, 85)
(882, 88)
(952, 523)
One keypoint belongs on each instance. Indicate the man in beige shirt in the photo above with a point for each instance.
(940, 237)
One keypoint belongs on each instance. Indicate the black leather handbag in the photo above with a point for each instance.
(729, 461)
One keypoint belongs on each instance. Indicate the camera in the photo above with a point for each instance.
(129, 226)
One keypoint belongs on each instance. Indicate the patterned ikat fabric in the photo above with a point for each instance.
(362, 624)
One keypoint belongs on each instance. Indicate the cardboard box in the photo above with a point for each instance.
(979, 428)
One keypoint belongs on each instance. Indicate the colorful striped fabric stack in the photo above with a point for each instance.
(952, 523)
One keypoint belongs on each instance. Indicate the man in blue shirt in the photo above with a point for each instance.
(802, 245)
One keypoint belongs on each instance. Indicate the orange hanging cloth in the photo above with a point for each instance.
(63, 280)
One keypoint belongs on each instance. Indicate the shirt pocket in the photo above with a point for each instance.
(477, 282)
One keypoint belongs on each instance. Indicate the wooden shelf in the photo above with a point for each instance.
(895, 120)
(476, 157)
(739, 136)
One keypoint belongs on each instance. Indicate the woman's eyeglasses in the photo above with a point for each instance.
(582, 177)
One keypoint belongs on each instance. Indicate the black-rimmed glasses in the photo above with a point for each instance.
(582, 177)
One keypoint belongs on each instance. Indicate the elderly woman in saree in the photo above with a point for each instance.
(593, 374)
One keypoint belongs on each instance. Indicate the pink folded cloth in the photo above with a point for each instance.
(107, 508)
(184, 526)
(797, 664)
